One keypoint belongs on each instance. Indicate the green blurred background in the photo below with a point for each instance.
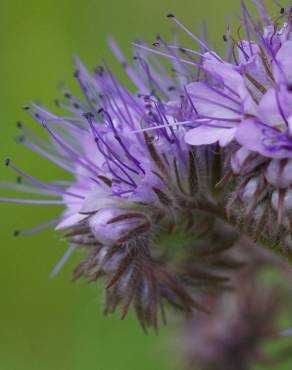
(54, 324)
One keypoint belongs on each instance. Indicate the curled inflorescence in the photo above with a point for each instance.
(173, 175)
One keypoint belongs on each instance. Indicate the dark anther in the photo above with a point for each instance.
(135, 57)
(57, 102)
(99, 70)
(170, 15)
(88, 115)
(100, 110)
(16, 232)
(96, 139)
(182, 50)
(37, 115)
(67, 95)
(21, 139)
(19, 179)
(282, 10)
(225, 39)
(26, 107)
(7, 162)
(75, 105)
(171, 88)
(76, 74)
(18, 124)
(156, 44)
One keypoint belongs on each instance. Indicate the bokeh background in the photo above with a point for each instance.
(54, 324)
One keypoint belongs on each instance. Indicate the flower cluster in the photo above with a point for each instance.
(232, 337)
(135, 181)
(244, 104)
(168, 172)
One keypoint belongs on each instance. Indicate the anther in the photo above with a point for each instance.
(225, 39)
(18, 124)
(88, 115)
(7, 162)
(26, 107)
(282, 10)
(99, 70)
(16, 233)
(21, 139)
(156, 44)
(170, 15)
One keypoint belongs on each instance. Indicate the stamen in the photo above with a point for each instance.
(38, 228)
(200, 42)
(164, 54)
(63, 260)
(41, 184)
(36, 202)
(71, 151)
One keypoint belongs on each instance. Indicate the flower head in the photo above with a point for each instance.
(134, 181)
(243, 103)
(233, 336)
(146, 162)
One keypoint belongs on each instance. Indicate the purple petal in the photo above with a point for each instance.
(204, 135)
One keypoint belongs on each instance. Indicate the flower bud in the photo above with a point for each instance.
(109, 225)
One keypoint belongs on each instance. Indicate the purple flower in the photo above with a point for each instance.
(232, 337)
(134, 181)
(243, 103)
(144, 165)
(246, 98)
(219, 104)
